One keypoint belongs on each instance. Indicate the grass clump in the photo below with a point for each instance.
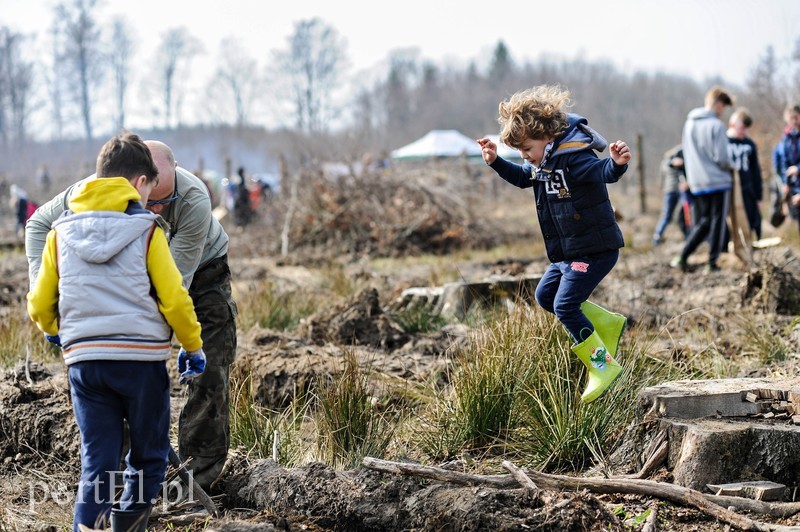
(350, 424)
(759, 341)
(415, 319)
(558, 431)
(20, 336)
(264, 305)
(255, 428)
(516, 391)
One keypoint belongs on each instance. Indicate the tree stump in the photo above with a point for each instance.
(719, 431)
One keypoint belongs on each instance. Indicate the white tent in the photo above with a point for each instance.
(504, 151)
(439, 143)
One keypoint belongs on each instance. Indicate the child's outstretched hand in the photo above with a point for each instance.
(488, 150)
(620, 152)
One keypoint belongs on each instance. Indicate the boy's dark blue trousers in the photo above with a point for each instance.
(105, 393)
(566, 285)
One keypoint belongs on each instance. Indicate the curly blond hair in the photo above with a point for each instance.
(534, 113)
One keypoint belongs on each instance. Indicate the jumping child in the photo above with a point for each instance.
(580, 232)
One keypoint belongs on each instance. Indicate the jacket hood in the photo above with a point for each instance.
(701, 113)
(97, 228)
(104, 194)
(98, 236)
(579, 136)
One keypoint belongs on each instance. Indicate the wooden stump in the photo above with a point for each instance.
(719, 431)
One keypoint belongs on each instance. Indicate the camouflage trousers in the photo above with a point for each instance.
(204, 426)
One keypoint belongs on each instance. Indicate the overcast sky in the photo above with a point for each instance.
(698, 38)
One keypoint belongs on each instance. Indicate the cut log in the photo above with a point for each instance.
(712, 433)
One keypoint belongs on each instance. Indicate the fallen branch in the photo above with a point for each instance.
(660, 490)
(197, 490)
(436, 473)
(520, 476)
(28, 364)
(652, 519)
(774, 509)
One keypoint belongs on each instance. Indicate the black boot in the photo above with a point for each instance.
(129, 520)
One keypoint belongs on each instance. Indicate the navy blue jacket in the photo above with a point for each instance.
(786, 154)
(744, 158)
(572, 204)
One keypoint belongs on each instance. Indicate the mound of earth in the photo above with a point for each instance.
(36, 419)
(365, 500)
(280, 366)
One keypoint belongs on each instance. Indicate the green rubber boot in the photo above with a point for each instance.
(609, 325)
(601, 366)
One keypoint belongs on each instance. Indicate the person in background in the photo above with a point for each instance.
(708, 173)
(108, 292)
(199, 245)
(43, 178)
(18, 201)
(676, 194)
(242, 206)
(786, 159)
(744, 158)
(580, 231)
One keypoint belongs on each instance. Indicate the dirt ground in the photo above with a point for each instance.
(39, 448)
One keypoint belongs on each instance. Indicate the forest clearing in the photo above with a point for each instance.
(359, 402)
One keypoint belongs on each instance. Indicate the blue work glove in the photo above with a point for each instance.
(190, 364)
(53, 339)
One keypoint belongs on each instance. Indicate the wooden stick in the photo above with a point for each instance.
(520, 476)
(28, 364)
(202, 496)
(652, 519)
(436, 473)
(774, 509)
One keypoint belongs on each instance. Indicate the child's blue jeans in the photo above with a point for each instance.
(104, 394)
(566, 285)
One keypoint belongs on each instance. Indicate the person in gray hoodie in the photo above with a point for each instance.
(708, 174)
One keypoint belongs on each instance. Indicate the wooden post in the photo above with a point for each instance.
(283, 170)
(640, 170)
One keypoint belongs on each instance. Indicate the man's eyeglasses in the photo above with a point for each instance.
(163, 201)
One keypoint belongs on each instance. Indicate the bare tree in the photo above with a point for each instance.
(314, 64)
(16, 86)
(236, 82)
(55, 81)
(175, 55)
(397, 93)
(4, 133)
(82, 52)
(121, 50)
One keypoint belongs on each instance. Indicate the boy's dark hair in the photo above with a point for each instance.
(743, 115)
(126, 155)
